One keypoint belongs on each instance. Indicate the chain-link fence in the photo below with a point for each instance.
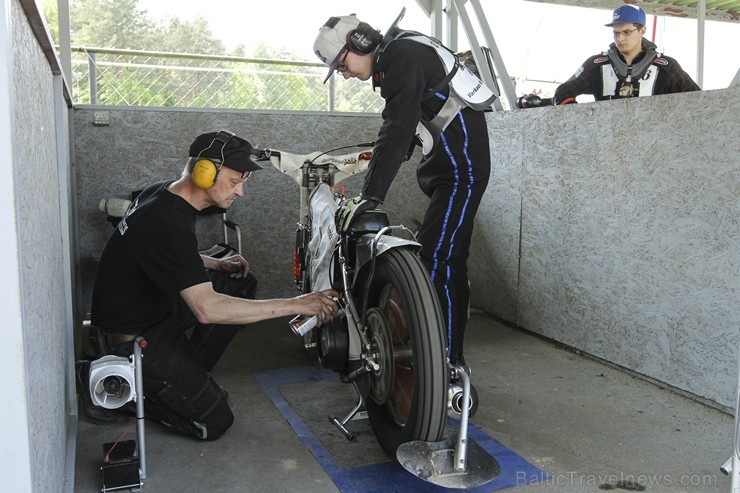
(112, 77)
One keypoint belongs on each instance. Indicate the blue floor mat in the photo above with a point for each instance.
(388, 476)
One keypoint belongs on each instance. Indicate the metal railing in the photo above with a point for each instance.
(113, 77)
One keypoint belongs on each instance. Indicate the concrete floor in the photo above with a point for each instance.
(589, 426)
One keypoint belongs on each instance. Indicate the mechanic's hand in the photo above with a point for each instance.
(236, 265)
(323, 304)
(351, 209)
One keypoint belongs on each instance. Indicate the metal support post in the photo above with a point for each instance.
(138, 376)
(498, 62)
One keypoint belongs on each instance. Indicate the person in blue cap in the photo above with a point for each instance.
(631, 67)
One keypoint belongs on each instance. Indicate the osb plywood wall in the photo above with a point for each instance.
(611, 227)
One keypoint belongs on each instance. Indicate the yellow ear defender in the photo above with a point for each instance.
(205, 171)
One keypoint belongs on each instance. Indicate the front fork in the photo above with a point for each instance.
(359, 349)
(359, 344)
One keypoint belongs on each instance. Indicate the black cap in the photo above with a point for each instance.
(227, 148)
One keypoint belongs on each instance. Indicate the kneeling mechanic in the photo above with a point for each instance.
(153, 282)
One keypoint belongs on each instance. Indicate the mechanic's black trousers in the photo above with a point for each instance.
(178, 388)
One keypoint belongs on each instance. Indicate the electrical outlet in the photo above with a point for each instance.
(101, 118)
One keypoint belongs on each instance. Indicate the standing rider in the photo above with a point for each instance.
(433, 100)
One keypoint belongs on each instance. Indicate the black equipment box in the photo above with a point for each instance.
(121, 466)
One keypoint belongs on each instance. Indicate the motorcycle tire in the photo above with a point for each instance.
(406, 326)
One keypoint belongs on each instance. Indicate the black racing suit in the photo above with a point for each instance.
(603, 79)
(454, 175)
(149, 259)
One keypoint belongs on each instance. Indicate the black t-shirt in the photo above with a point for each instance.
(149, 259)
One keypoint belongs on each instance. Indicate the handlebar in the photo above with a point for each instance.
(533, 101)
(266, 153)
(262, 154)
(340, 166)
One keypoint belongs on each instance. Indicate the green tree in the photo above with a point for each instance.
(122, 24)
(154, 80)
(111, 24)
(50, 9)
(188, 37)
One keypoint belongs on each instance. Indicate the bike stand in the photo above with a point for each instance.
(124, 468)
(452, 463)
(356, 413)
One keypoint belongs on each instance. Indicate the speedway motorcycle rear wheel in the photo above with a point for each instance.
(408, 394)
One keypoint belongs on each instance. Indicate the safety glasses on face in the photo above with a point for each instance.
(342, 65)
(626, 34)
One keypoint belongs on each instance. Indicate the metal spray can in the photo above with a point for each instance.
(301, 324)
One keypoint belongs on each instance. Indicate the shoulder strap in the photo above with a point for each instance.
(444, 82)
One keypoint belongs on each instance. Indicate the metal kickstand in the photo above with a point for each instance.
(455, 462)
(357, 412)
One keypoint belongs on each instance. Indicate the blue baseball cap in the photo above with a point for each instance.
(628, 13)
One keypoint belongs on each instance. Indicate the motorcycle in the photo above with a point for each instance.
(388, 338)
